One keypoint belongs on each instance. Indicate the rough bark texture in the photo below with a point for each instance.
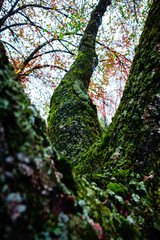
(73, 125)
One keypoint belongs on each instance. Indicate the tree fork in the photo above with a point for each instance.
(73, 125)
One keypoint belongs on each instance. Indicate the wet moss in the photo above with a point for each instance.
(81, 230)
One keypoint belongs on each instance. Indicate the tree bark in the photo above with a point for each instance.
(73, 125)
(130, 146)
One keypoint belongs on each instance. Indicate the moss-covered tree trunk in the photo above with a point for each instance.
(130, 147)
(73, 123)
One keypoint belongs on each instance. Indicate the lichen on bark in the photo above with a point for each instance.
(73, 125)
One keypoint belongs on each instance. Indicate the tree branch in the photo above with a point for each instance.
(1, 3)
(30, 57)
(14, 25)
(6, 43)
(39, 67)
(89, 37)
(3, 19)
(53, 51)
(87, 44)
(70, 103)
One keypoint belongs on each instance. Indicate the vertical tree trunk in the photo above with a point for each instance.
(73, 123)
(130, 147)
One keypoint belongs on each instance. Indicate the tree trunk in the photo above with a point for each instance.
(73, 125)
(130, 146)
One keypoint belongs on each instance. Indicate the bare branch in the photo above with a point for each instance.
(37, 50)
(6, 43)
(13, 25)
(32, 55)
(134, 2)
(53, 51)
(1, 3)
(40, 67)
(113, 51)
(3, 19)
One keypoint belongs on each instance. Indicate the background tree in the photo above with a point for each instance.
(42, 38)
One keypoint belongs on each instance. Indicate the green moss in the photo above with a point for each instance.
(117, 188)
(105, 139)
(78, 90)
